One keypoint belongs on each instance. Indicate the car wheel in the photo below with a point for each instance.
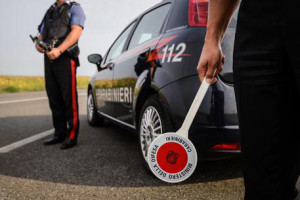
(93, 117)
(154, 121)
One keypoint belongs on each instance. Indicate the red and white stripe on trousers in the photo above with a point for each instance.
(74, 101)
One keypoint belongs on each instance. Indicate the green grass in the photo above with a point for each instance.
(12, 84)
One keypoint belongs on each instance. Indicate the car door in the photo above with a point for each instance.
(131, 64)
(104, 89)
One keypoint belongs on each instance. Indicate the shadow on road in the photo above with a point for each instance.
(104, 156)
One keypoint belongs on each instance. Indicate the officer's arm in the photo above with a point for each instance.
(71, 39)
(212, 58)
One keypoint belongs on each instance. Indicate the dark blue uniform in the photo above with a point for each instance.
(60, 74)
(267, 84)
(76, 14)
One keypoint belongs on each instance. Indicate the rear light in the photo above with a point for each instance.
(198, 12)
(226, 147)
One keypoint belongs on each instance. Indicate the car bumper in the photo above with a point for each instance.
(216, 142)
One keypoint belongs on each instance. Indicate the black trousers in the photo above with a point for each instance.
(267, 86)
(60, 77)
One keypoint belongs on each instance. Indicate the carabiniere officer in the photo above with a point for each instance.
(61, 28)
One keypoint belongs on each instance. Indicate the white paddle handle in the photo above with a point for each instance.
(194, 109)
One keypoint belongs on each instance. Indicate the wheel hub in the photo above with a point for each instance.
(150, 128)
(90, 107)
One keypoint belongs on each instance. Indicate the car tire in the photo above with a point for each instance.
(93, 117)
(148, 129)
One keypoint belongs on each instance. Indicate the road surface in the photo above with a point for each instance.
(105, 164)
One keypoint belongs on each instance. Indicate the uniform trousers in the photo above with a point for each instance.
(61, 87)
(267, 86)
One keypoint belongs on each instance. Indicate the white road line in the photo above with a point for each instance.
(23, 100)
(25, 141)
(32, 99)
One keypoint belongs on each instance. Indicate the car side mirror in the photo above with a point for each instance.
(95, 59)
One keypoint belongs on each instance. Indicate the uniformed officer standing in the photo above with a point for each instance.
(267, 84)
(62, 27)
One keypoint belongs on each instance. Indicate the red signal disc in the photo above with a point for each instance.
(172, 157)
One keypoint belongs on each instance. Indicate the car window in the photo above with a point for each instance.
(149, 26)
(118, 46)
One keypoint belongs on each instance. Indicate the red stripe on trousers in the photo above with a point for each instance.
(74, 101)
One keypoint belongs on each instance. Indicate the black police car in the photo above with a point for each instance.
(148, 79)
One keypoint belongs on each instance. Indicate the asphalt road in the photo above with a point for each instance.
(105, 164)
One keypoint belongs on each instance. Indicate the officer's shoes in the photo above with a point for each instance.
(68, 143)
(54, 140)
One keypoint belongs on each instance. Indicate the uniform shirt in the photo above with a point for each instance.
(76, 14)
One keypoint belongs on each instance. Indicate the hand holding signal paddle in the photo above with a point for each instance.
(172, 157)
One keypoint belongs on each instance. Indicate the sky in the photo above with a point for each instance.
(19, 18)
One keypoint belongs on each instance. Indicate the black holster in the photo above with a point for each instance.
(74, 51)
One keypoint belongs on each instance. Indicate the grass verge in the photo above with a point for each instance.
(12, 84)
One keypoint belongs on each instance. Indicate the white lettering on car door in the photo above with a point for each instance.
(121, 95)
(168, 52)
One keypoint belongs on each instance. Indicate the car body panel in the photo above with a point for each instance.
(167, 65)
(127, 71)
